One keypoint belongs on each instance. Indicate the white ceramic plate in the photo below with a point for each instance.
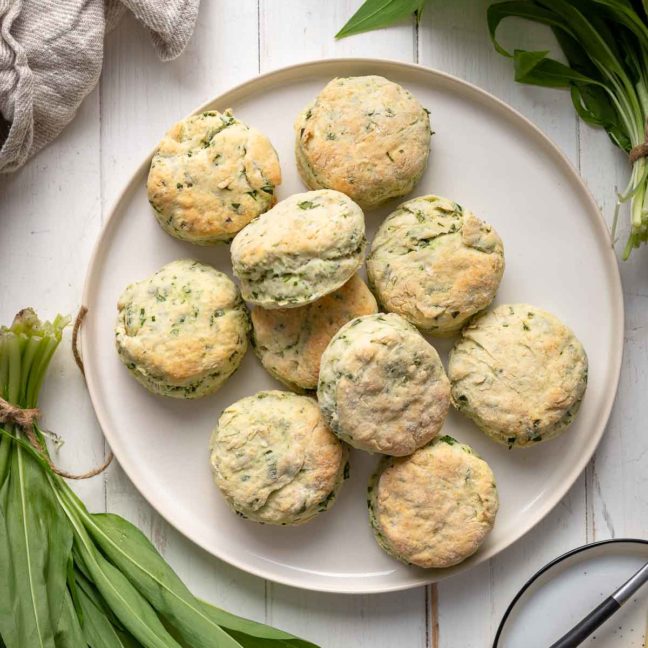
(485, 156)
(563, 592)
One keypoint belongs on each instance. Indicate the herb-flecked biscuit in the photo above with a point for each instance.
(435, 264)
(274, 459)
(302, 249)
(365, 136)
(434, 508)
(183, 331)
(519, 373)
(290, 342)
(210, 176)
(382, 387)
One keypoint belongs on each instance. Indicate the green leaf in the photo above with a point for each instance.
(574, 22)
(92, 593)
(237, 627)
(535, 68)
(606, 45)
(197, 623)
(98, 631)
(134, 612)
(133, 554)
(128, 605)
(35, 541)
(68, 630)
(72, 588)
(248, 641)
(526, 9)
(114, 592)
(374, 14)
(593, 106)
(624, 13)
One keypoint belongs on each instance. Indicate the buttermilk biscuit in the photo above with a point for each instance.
(364, 136)
(519, 373)
(290, 342)
(435, 264)
(183, 331)
(434, 508)
(210, 176)
(274, 459)
(302, 249)
(382, 387)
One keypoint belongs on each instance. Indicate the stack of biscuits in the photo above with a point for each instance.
(353, 356)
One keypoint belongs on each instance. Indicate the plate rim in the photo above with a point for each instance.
(618, 317)
(550, 565)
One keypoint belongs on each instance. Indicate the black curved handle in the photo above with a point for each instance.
(584, 628)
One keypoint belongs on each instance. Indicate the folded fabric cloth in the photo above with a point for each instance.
(51, 53)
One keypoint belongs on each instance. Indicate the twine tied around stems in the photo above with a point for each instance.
(26, 418)
(23, 418)
(641, 150)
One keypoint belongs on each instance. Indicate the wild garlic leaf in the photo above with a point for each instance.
(195, 622)
(526, 9)
(128, 605)
(5, 446)
(606, 46)
(248, 641)
(236, 625)
(33, 558)
(626, 15)
(374, 14)
(68, 630)
(98, 631)
(592, 102)
(131, 609)
(95, 598)
(535, 68)
(132, 553)
(8, 622)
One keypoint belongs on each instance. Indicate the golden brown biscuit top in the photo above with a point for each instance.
(211, 175)
(435, 507)
(435, 263)
(182, 323)
(290, 342)
(274, 457)
(518, 370)
(364, 136)
(382, 387)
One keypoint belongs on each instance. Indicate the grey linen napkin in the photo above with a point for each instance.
(51, 53)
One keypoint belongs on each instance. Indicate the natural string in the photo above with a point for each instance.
(26, 418)
(641, 150)
(75, 338)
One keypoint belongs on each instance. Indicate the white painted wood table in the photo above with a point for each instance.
(51, 213)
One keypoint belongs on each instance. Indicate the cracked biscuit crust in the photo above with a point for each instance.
(290, 342)
(274, 459)
(435, 264)
(364, 136)
(519, 373)
(183, 331)
(382, 387)
(210, 176)
(434, 508)
(302, 249)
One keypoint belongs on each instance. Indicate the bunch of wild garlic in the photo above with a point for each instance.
(70, 578)
(605, 43)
